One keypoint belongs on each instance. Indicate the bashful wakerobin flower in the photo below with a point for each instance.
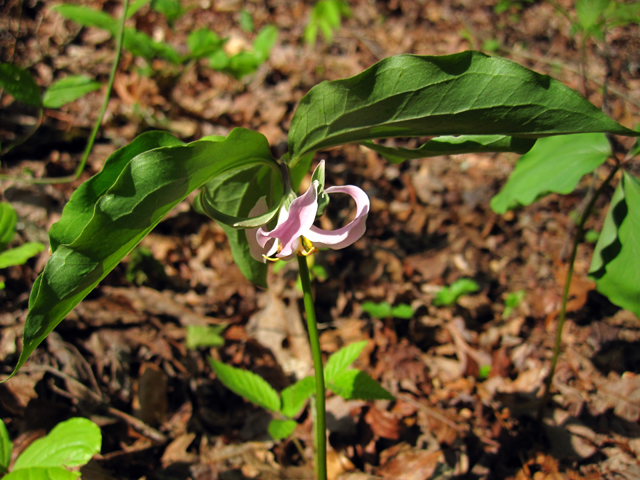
(295, 233)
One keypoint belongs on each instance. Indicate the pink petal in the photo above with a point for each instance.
(345, 236)
(257, 251)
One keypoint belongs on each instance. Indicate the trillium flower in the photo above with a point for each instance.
(295, 232)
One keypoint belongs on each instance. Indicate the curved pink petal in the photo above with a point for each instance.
(292, 224)
(345, 236)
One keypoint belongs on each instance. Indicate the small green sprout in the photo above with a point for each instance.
(448, 296)
(385, 310)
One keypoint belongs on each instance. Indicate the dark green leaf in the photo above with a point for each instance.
(69, 444)
(6, 447)
(8, 220)
(339, 361)
(144, 46)
(19, 255)
(295, 396)
(448, 145)
(468, 93)
(87, 17)
(67, 90)
(204, 336)
(42, 473)
(20, 84)
(354, 384)
(554, 164)
(125, 204)
(248, 385)
(616, 260)
(279, 429)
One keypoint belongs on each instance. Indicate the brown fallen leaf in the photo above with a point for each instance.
(150, 395)
(176, 451)
(411, 464)
(620, 393)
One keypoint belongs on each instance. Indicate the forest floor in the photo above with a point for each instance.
(120, 357)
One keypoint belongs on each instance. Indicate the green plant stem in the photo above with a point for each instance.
(320, 417)
(98, 122)
(565, 294)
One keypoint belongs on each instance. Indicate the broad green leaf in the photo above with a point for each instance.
(19, 255)
(6, 447)
(8, 220)
(449, 145)
(354, 384)
(339, 361)
(20, 84)
(589, 12)
(204, 336)
(295, 396)
(616, 260)
(203, 43)
(450, 295)
(42, 473)
(279, 429)
(403, 311)
(377, 310)
(70, 444)
(68, 89)
(133, 201)
(554, 165)
(467, 93)
(87, 17)
(171, 9)
(264, 42)
(248, 385)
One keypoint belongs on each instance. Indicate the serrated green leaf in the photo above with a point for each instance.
(6, 447)
(248, 385)
(8, 221)
(616, 259)
(554, 165)
(20, 84)
(295, 396)
(70, 444)
(468, 93)
(42, 473)
(87, 17)
(339, 361)
(68, 89)
(19, 255)
(357, 385)
(279, 429)
(130, 202)
(378, 310)
(449, 145)
(204, 336)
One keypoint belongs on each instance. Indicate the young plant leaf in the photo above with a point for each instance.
(67, 90)
(450, 295)
(171, 9)
(295, 396)
(616, 260)
(357, 385)
(42, 473)
(87, 17)
(449, 145)
(131, 203)
(554, 165)
(203, 43)
(378, 310)
(20, 84)
(403, 311)
(467, 93)
(19, 255)
(339, 361)
(279, 429)
(8, 220)
(69, 444)
(248, 385)
(6, 447)
(204, 336)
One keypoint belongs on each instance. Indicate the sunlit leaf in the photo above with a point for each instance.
(87, 17)
(204, 336)
(554, 165)
(20, 254)
(203, 43)
(67, 90)
(6, 447)
(295, 396)
(248, 385)
(8, 220)
(339, 361)
(20, 84)
(279, 429)
(354, 384)
(450, 295)
(42, 473)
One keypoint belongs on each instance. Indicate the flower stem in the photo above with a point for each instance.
(320, 420)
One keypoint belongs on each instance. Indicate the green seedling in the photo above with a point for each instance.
(511, 302)
(70, 444)
(385, 310)
(348, 383)
(204, 336)
(448, 296)
(18, 255)
(326, 16)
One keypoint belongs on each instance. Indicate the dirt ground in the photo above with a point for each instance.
(120, 357)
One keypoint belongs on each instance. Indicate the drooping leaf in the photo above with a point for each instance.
(8, 220)
(6, 447)
(19, 255)
(42, 473)
(357, 385)
(248, 385)
(67, 90)
(279, 429)
(70, 444)
(204, 336)
(616, 260)
(20, 84)
(467, 93)
(339, 361)
(449, 145)
(295, 396)
(554, 165)
(87, 17)
(133, 201)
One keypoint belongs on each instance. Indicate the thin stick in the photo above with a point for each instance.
(320, 416)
